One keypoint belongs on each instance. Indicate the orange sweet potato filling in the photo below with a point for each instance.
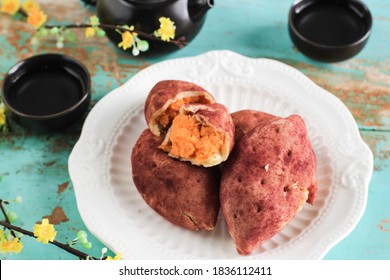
(173, 109)
(190, 139)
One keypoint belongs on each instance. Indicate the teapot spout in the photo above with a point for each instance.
(198, 8)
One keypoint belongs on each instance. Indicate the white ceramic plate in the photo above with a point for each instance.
(113, 210)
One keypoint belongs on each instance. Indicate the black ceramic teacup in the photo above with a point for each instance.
(329, 30)
(47, 92)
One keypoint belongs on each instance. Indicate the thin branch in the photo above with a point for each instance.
(179, 42)
(5, 214)
(65, 247)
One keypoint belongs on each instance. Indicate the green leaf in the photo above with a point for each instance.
(70, 36)
(94, 21)
(143, 45)
(12, 216)
(87, 245)
(81, 234)
(54, 31)
(43, 32)
(83, 240)
(101, 33)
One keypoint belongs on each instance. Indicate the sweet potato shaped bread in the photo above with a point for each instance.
(201, 134)
(184, 194)
(246, 120)
(266, 180)
(165, 99)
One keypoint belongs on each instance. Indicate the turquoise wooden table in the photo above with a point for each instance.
(34, 166)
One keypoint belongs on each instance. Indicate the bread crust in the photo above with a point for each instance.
(165, 93)
(266, 180)
(184, 194)
(246, 120)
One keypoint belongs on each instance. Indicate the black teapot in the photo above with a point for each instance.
(188, 16)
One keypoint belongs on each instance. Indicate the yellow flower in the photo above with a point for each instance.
(94, 21)
(10, 6)
(44, 232)
(127, 40)
(2, 115)
(90, 32)
(36, 18)
(9, 246)
(117, 257)
(30, 5)
(167, 29)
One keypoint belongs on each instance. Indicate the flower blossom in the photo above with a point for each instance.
(2, 115)
(167, 29)
(94, 21)
(90, 32)
(30, 5)
(117, 257)
(44, 232)
(36, 18)
(127, 40)
(10, 6)
(8, 245)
